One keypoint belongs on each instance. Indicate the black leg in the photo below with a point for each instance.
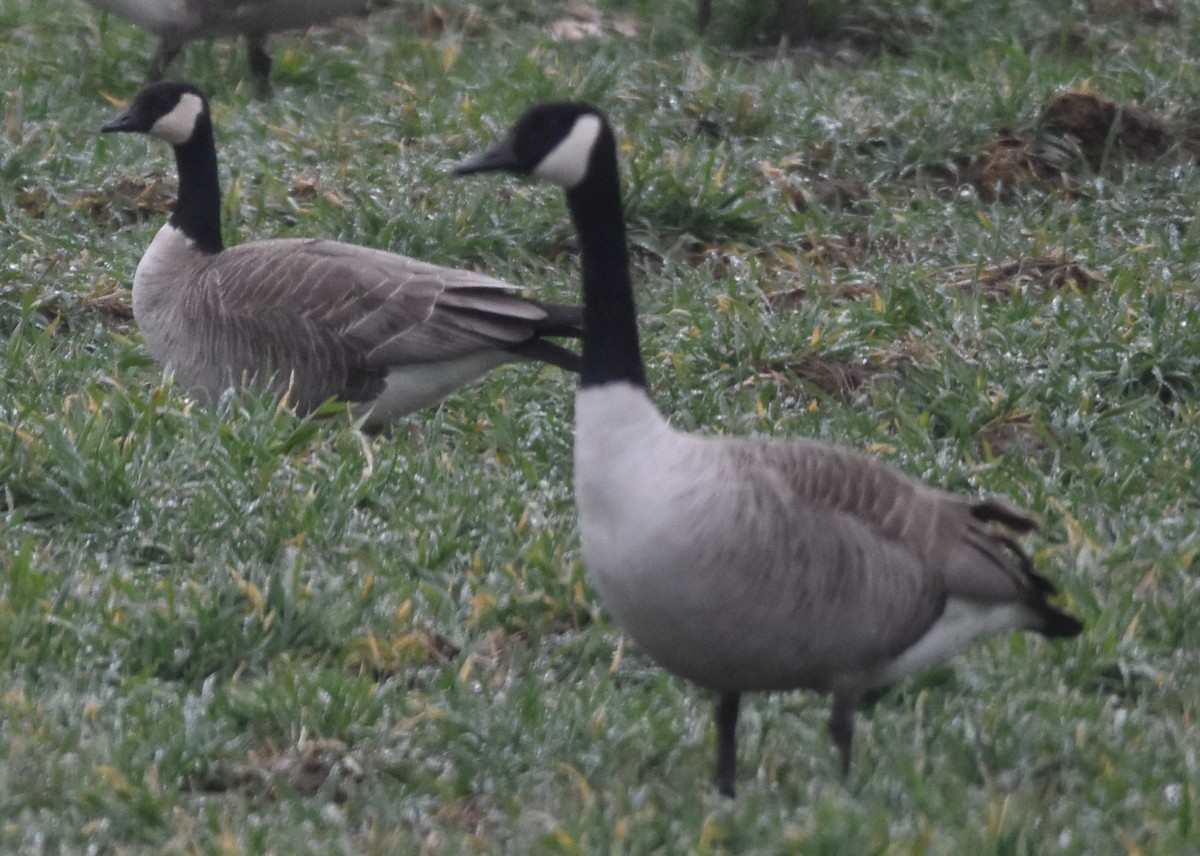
(260, 63)
(167, 51)
(727, 717)
(796, 21)
(841, 727)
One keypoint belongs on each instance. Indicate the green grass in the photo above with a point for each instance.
(232, 631)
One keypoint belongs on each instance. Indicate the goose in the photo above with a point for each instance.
(793, 19)
(176, 22)
(310, 317)
(748, 564)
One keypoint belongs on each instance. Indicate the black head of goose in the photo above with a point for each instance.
(315, 318)
(756, 564)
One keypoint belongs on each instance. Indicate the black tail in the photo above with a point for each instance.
(561, 320)
(1055, 622)
(994, 511)
(1058, 624)
(547, 352)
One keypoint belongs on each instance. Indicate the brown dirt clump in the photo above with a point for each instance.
(130, 198)
(1010, 164)
(1149, 11)
(1038, 274)
(1012, 434)
(1103, 129)
(1078, 131)
(835, 378)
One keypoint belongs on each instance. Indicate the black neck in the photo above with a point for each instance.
(198, 209)
(611, 352)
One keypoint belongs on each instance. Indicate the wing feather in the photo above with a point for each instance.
(951, 546)
(335, 317)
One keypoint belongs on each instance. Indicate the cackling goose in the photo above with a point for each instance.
(176, 22)
(755, 564)
(316, 318)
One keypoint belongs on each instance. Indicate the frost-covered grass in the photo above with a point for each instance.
(232, 631)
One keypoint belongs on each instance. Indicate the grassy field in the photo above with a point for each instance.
(232, 631)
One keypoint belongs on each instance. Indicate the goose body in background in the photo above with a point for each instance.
(177, 22)
(316, 318)
(793, 19)
(756, 564)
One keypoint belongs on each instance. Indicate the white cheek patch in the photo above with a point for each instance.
(567, 163)
(177, 126)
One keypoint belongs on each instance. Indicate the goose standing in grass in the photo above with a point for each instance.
(756, 564)
(316, 318)
(177, 22)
